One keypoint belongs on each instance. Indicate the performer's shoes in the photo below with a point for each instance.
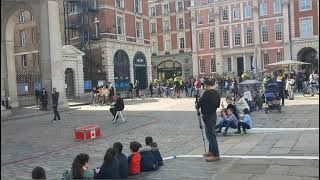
(208, 154)
(212, 158)
(219, 131)
(53, 121)
(237, 132)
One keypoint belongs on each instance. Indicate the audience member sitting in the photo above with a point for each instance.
(231, 106)
(110, 166)
(122, 160)
(155, 150)
(229, 120)
(241, 103)
(38, 173)
(134, 159)
(79, 168)
(117, 105)
(148, 161)
(246, 123)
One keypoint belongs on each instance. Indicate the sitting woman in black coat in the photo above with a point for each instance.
(110, 167)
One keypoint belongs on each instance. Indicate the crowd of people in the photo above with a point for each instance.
(115, 165)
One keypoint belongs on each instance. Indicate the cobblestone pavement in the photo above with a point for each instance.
(30, 142)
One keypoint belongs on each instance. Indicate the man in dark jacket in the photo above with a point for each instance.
(148, 161)
(44, 99)
(122, 160)
(208, 103)
(55, 100)
(118, 105)
(155, 151)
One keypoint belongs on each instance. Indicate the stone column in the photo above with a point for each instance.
(219, 58)
(244, 62)
(195, 64)
(52, 75)
(256, 29)
(242, 35)
(285, 32)
(3, 73)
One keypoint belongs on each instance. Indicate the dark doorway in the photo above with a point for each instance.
(69, 83)
(240, 66)
(140, 70)
(308, 55)
(121, 70)
(169, 69)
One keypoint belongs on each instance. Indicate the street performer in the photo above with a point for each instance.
(208, 103)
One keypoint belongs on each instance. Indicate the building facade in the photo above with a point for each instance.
(116, 37)
(238, 36)
(170, 38)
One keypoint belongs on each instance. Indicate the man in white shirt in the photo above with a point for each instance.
(247, 94)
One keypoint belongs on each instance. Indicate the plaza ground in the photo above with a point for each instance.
(264, 153)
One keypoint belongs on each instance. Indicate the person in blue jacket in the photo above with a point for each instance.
(246, 123)
(110, 166)
(148, 161)
(122, 160)
(155, 150)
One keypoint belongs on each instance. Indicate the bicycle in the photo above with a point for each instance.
(310, 89)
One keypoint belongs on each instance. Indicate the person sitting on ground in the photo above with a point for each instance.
(232, 106)
(223, 114)
(79, 168)
(117, 105)
(247, 94)
(38, 173)
(229, 120)
(148, 160)
(134, 159)
(110, 166)
(246, 123)
(241, 103)
(155, 150)
(122, 160)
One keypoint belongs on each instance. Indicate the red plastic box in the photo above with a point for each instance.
(87, 132)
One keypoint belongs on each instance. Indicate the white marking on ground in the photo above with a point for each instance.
(249, 157)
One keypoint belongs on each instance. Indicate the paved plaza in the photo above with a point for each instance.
(281, 146)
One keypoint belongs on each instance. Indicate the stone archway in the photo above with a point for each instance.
(309, 55)
(121, 70)
(140, 69)
(169, 69)
(69, 83)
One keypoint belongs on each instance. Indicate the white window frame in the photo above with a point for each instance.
(23, 38)
(200, 19)
(153, 11)
(236, 14)
(165, 12)
(304, 7)
(265, 59)
(179, 25)
(74, 10)
(225, 15)
(177, 5)
(211, 17)
(267, 34)
(166, 28)
(22, 18)
(139, 32)
(237, 37)
(155, 27)
(279, 56)
(225, 34)
(211, 40)
(276, 35)
(229, 64)
(263, 9)
(300, 24)
(139, 9)
(248, 12)
(202, 66)
(211, 1)
(154, 47)
(213, 66)
(24, 61)
(277, 9)
(167, 48)
(201, 40)
(249, 37)
(121, 25)
(119, 3)
(181, 43)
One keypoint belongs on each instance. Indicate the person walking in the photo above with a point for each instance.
(290, 86)
(208, 103)
(55, 100)
(44, 99)
(151, 89)
(281, 86)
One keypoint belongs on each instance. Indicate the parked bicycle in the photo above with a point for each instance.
(310, 89)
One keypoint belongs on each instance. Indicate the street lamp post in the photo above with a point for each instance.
(174, 67)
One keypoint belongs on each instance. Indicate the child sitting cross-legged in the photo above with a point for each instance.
(134, 159)
(246, 123)
(228, 119)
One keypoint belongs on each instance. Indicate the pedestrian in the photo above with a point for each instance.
(55, 100)
(151, 88)
(197, 86)
(290, 86)
(281, 86)
(44, 99)
(117, 105)
(208, 103)
(38, 173)
(37, 95)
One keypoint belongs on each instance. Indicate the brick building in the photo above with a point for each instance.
(234, 36)
(115, 34)
(170, 38)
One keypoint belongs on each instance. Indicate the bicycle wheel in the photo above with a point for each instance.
(307, 91)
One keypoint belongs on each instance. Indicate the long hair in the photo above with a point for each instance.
(109, 156)
(77, 165)
(38, 173)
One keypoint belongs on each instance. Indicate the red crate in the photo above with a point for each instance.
(87, 132)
